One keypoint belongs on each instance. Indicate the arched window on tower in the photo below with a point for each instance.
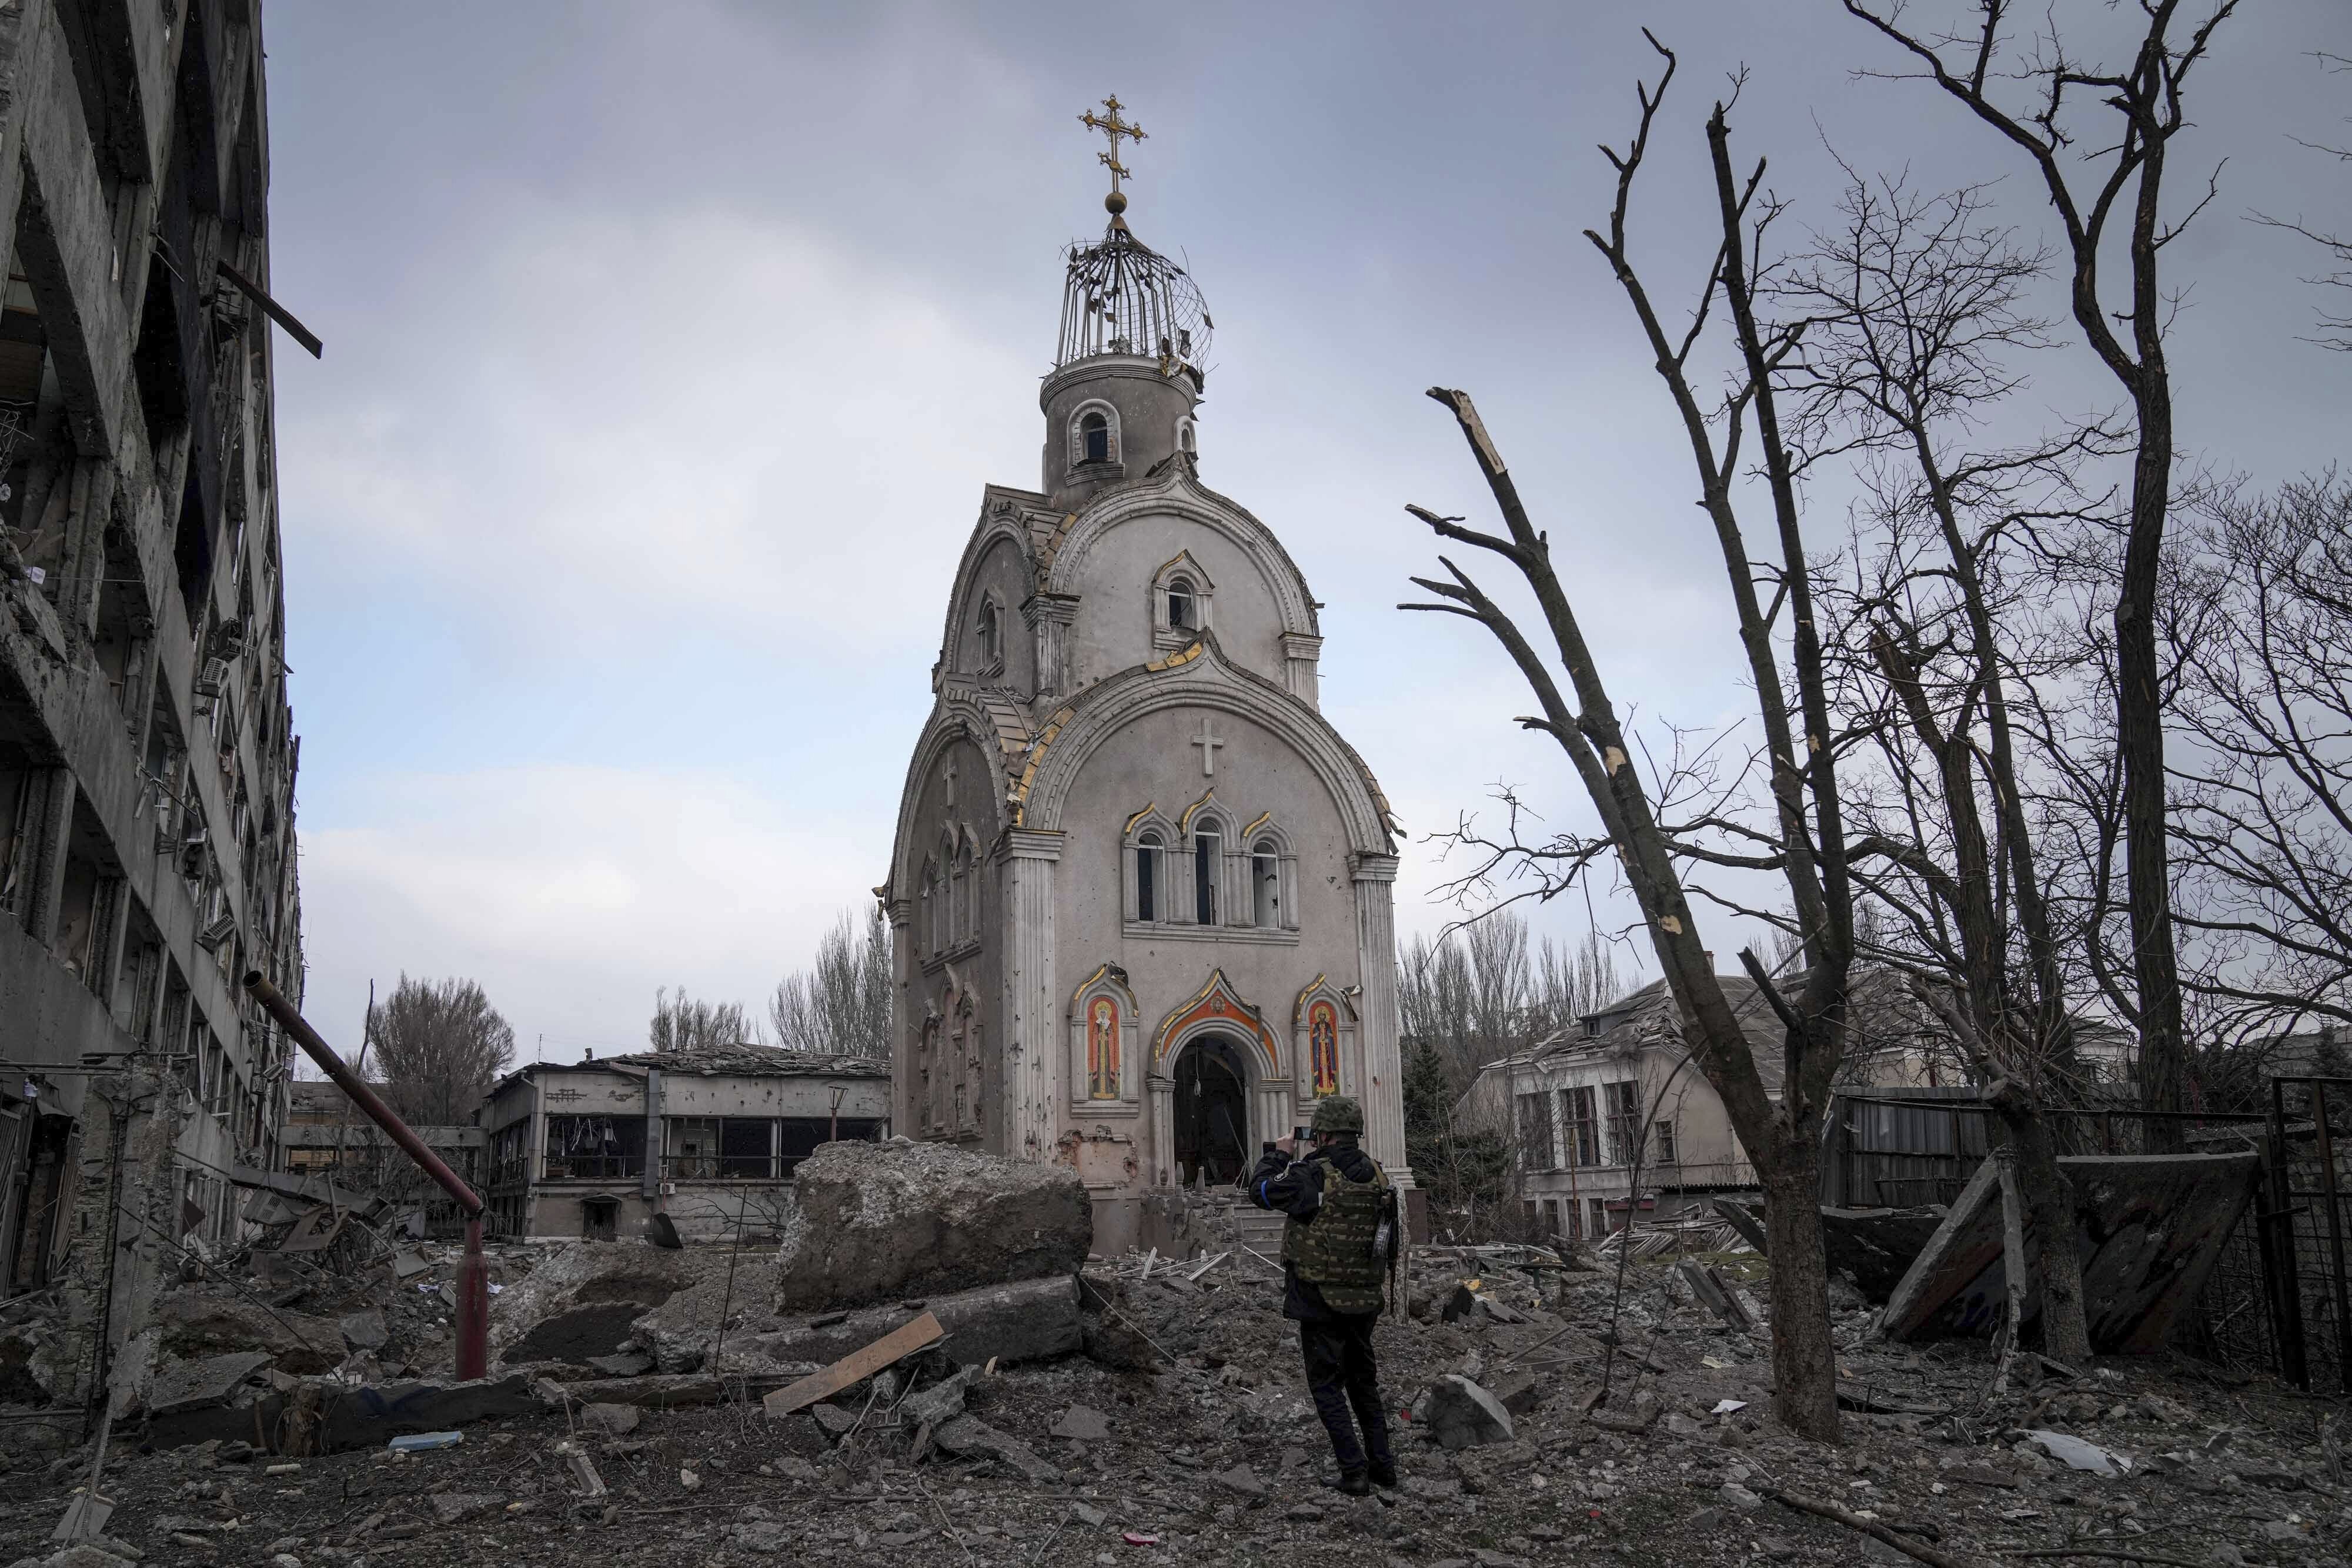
(1181, 610)
(1185, 440)
(1146, 876)
(991, 628)
(1266, 885)
(1094, 438)
(1208, 852)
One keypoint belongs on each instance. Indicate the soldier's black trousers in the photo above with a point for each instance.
(1341, 1373)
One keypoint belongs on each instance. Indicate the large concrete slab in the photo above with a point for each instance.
(879, 1222)
(1028, 1320)
(2152, 1227)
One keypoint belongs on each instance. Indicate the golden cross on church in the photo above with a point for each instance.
(1112, 126)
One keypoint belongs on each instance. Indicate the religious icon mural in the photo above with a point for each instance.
(1323, 1047)
(1102, 1050)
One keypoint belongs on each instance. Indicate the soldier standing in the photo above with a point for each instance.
(1337, 1246)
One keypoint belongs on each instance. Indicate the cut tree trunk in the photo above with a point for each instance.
(1804, 1362)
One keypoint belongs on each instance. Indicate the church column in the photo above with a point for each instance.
(903, 1118)
(1050, 617)
(1300, 656)
(1383, 1095)
(1032, 1038)
(1163, 1131)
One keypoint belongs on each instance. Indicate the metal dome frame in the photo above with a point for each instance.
(1122, 298)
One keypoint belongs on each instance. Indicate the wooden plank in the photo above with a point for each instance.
(1740, 1217)
(856, 1366)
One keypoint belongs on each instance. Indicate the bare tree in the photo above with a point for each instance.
(841, 1006)
(1573, 982)
(2335, 330)
(2263, 637)
(1798, 832)
(439, 1046)
(1914, 306)
(681, 1023)
(2125, 181)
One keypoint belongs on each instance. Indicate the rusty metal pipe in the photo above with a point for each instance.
(473, 1272)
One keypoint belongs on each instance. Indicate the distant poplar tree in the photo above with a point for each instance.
(841, 1006)
(439, 1046)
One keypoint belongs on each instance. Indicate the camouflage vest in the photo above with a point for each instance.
(1333, 1251)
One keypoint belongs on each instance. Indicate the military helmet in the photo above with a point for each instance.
(1338, 1113)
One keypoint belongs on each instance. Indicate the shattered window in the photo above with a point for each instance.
(1625, 1105)
(1583, 1128)
(747, 1147)
(594, 1148)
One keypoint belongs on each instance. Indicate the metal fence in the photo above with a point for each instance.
(2302, 1230)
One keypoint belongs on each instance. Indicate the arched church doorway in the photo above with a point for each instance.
(1211, 1112)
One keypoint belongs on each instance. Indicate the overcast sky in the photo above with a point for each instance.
(668, 348)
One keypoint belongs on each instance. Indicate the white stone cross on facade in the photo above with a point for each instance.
(1208, 742)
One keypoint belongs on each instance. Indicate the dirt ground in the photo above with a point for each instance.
(1217, 1458)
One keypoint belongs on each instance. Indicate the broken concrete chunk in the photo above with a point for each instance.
(835, 1422)
(1241, 1479)
(365, 1331)
(613, 1420)
(181, 1386)
(1519, 1392)
(1740, 1497)
(1461, 1414)
(627, 1364)
(941, 1402)
(1081, 1424)
(449, 1507)
(879, 1222)
(582, 1469)
(970, 1436)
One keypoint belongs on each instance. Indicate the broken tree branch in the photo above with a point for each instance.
(1869, 1527)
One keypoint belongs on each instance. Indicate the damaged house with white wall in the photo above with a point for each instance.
(147, 751)
(1585, 1106)
(592, 1150)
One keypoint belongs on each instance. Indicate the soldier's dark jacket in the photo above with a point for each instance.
(1295, 1187)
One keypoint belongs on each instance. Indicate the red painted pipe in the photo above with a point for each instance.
(473, 1273)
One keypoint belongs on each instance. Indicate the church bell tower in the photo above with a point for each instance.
(1129, 369)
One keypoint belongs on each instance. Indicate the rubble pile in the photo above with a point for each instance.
(677, 1407)
(1210, 1452)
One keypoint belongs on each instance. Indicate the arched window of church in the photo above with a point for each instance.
(1266, 885)
(1184, 438)
(1208, 850)
(1146, 876)
(1094, 438)
(959, 921)
(930, 910)
(1181, 610)
(992, 634)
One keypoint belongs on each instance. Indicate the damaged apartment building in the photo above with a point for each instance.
(706, 1137)
(147, 752)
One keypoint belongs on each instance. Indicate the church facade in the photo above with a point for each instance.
(1141, 889)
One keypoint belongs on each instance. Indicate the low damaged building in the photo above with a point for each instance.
(1588, 1105)
(595, 1149)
